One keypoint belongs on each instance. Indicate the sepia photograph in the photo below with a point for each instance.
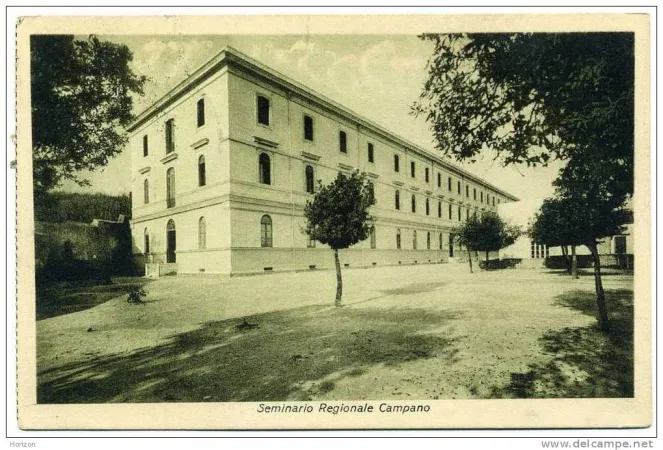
(334, 230)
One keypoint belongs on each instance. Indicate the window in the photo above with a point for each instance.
(201, 171)
(146, 237)
(414, 203)
(487, 199)
(459, 187)
(413, 172)
(414, 240)
(441, 241)
(426, 174)
(170, 136)
(146, 191)
(145, 146)
(428, 240)
(343, 142)
(171, 242)
(372, 237)
(308, 128)
(264, 167)
(439, 209)
(370, 153)
(170, 187)
(474, 190)
(467, 214)
(202, 233)
(538, 251)
(459, 219)
(450, 213)
(396, 164)
(398, 238)
(200, 108)
(311, 241)
(397, 200)
(481, 197)
(310, 184)
(493, 200)
(499, 200)
(449, 183)
(263, 110)
(467, 191)
(371, 192)
(266, 231)
(427, 207)
(620, 245)
(439, 180)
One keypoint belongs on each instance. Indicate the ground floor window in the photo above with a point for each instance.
(266, 231)
(372, 237)
(398, 238)
(414, 240)
(428, 240)
(538, 251)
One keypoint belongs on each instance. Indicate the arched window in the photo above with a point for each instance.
(428, 240)
(146, 239)
(200, 108)
(266, 231)
(171, 242)
(398, 238)
(264, 167)
(372, 237)
(201, 171)
(170, 187)
(427, 206)
(414, 203)
(146, 191)
(414, 240)
(397, 199)
(202, 233)
(310, 184)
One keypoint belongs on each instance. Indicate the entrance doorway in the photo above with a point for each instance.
(171, 239)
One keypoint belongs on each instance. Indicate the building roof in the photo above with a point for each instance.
(230, 56)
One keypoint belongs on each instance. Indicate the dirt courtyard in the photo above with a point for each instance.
(414, 332)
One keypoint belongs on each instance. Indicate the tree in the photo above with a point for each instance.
(81, 98)
(486, 233)
(338, 216)
(532, 97)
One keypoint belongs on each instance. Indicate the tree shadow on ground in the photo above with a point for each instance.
(585, 362)
(291, 355)
(605, 272)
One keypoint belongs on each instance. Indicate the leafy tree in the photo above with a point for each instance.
(486, 233)
(81, 98)
(532, 97)
(338, 216)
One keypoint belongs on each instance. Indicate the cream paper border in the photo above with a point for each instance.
(459, 414)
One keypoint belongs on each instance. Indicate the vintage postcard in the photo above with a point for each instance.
(334, 222)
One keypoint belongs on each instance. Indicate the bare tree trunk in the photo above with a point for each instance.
(339, 280)
(567, 260)
(604, 324)
(469, 258)
(574, 263)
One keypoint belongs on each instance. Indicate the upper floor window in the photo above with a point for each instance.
(373, 243)
(459, 187)
(426, 174)
(474, 190)
(414, 203)
(397, 199)
(487, 198)
(413, 170)
(439, 180)
(170, 187)
(264, 169)
(263, 110)
(427, 207)
(371, 192)
(467, 191)
(459, 214)
(202, 233)
(266, 231)
(370, 153)
(145, 146)
(310, 183)
(481, 197)
(170, 136)
(499, 201)
(439, 209)
(396, 163)
(201, 171)
(449, 183)
(146, 191)
(200, 108)
(450, 213)
(146, 234)
(467, 214)
(343, 141)
(308, 128)
(493, 200)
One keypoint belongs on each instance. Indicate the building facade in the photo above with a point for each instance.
(222, 167)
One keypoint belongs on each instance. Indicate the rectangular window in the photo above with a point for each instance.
(343, 142)
(467, 191)
(308, 128)
(459, 187)
(413, 170)
(459, 219)
(449, 183)
(450, 212)
(263, 110)
(439, 180)
(311, 242)
(145, 146)
(493, 200)
(370, 153)
(396, 164)
(474, 190)
(426, 174)
(170, 136)
(201, 112)
(481, 197)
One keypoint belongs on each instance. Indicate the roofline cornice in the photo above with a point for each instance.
(233, 58)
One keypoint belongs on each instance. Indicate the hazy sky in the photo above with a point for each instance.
(378, 77)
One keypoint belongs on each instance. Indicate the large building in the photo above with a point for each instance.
(223, 165)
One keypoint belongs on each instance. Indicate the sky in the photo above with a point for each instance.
(378, 77)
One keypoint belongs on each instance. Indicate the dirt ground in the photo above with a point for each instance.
(416, 332)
